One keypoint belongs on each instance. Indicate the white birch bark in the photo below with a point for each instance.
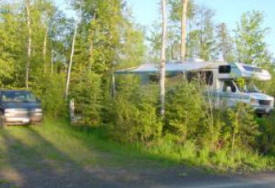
(163, 57)
(183, 29)
(70, 64)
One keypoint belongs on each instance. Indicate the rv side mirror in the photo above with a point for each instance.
(228, 89)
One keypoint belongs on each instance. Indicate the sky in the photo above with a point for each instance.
(146, 12)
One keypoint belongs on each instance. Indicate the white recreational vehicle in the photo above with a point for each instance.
(221, 80)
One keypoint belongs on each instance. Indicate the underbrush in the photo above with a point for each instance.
(167, 152)
(192, 131)
(57, 140)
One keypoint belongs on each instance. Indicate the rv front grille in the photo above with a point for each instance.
(264, 102)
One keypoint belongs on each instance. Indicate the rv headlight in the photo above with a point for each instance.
(254, 102)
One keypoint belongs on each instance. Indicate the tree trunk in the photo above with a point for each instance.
(70, 64)
(183, 29)
(91, 48)
(52, 61)
(45, 49)
(29, 47)
(163, 58)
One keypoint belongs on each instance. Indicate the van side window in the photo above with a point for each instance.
(224, 69)
(230, 84)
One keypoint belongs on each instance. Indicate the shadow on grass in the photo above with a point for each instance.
(58, 155)
(41, 164)
(135, 155)
(140, 154)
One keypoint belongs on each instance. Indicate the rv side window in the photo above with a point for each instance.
(224, 69)
(203, 77)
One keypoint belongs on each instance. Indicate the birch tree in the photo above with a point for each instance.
(45, 48)
(70, 64)
(29, 45)
(183, 28)
(163, 57)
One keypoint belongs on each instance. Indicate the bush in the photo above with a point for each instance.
(87, 93)
(244, 129)
(267, 139)
(185, 111)
(51, 92)
(134, 115)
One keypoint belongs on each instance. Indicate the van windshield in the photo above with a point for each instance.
(17, 96)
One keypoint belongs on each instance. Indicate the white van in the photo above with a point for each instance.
(221, 79)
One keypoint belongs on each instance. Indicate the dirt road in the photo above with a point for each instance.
(66, 175)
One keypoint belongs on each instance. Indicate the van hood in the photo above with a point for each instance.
(24, 105)
(260, 96)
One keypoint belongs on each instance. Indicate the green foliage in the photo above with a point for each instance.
(51, 93)
(225, 43)
(267, 139)
(251, 47)
(176, 9)
(185, 110)
(244, 128)
(10, 45)
(87, 93)
(134, 115)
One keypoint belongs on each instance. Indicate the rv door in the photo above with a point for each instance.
(230, 94)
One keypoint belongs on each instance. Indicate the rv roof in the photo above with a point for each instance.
(170, 67)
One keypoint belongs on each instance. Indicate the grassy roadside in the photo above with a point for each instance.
(58, 143)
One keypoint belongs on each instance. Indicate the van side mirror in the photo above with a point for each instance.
(228, 89)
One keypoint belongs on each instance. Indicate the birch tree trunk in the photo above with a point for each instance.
(163, 58)
(45, 49)
(183, 29)
(52, 61)
(91, 48)
(70, 64)
(29, 46)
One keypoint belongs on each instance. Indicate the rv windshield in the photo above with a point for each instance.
(249, 87)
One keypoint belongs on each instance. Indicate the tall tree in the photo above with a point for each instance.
(225, 43)
(70, 64)
(249, 36)
(29, 46)
(163, 57)
(183, 29)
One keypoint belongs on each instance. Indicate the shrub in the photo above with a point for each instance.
(267, 139)
(134, 115)
(244, 129)
(51, 92)
(185, 111)
(87, 93)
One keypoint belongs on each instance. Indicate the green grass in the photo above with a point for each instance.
(56, 143)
